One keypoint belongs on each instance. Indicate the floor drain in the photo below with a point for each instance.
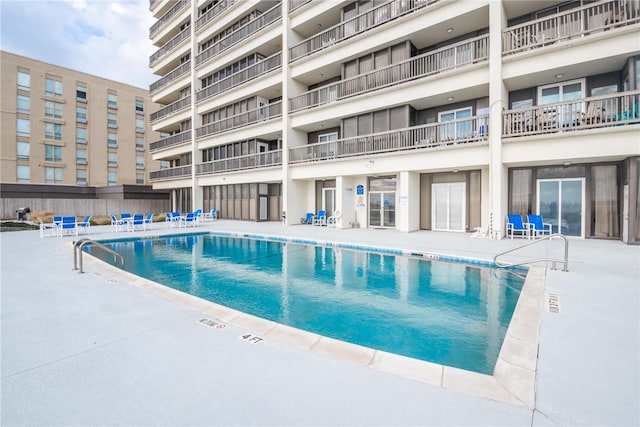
(553, 303)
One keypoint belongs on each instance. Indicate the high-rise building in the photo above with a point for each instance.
(61, 126)
(405, 114)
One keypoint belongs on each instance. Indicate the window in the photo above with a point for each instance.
(23, 173)
(457, 130)
(81, 156)
(112, 140)
(139, 143)
(23, 150)
(112, 100)
(24, 80)
(139, 162)
(140, 178)
(81, 135)
(112, 121)
(81, 93)
(23, 104)
(53, 131)
(164, 164)
(112, 178)
(52, 153)
(112, 159)
(81, 177)
(81, 114)
(139, 106)
(140, 125)
(52, 175)
(53, 87)
(23, 127)
(326, 137)
(53, 109)
(559, 92)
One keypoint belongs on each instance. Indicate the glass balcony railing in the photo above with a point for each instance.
(181, 104)
(577, 22)
(260, 114)
(173, 75)
(294, 4)
(169, 46)
(441, 60)
(249, 161)
(436, 135)
(171, 141)
(618, 109)
(357, 25)
(216, 10)
(160, 23)
(240, 34)
(169, 173)
(256, 70)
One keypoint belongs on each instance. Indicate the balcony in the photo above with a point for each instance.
(438, 61)
(240, 120)
(250, 161)
(172, 141)
(169, 46)
(432, 136)
(170, 173)
(213, 12)
(294, 4)
(574, 23)
(159, 24)
(173, 75)
(357, 25)
(241, 77)
(180, 104)
(588, 113)
(247, 30)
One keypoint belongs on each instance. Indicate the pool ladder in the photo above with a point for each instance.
(554, 262)
(79, 245)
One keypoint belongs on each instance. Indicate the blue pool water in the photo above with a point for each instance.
(449, 313)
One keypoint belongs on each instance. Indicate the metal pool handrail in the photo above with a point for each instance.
(553, 262)
(80, 244)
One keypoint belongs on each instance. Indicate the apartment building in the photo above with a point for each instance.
(407, 114)
(64, 127)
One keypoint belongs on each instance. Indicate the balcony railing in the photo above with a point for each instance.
(174, 74)
(169, 46)
(431, 136)
(357, 25)
(240, 34)
(587, 113)
(180, 104)
(441, 60)
(243, 76)
(213, 12)
(169, 173)
(171, 141)
(294, 4)
(167, 17)
(250, 161)
(250, 117)
(578, 22)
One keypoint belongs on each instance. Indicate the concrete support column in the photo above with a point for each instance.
(408, 201)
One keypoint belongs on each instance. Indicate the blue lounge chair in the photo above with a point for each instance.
(189, 220)
(321, 218)
(85, 225)
(116, 224)
(172, 219)
(211, 215)
(307, 219)
(537, 227)
(69, 226)
(136, 223)
(148, 221)
(516, 225)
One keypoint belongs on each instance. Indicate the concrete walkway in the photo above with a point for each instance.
(91, 349)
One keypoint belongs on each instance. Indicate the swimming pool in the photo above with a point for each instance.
(448, 313)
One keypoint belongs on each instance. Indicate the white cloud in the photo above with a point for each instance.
(109, 39)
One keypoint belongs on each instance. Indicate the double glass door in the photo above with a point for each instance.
(382, 209)
(561, 204)
(448, 206)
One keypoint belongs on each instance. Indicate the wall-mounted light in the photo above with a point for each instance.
(559, 76)
(320, 75)
(565, 164)
(450, 98)
(449, 30)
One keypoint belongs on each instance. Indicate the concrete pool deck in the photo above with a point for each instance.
(91, 349)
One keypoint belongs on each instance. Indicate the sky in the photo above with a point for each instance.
(106, 38)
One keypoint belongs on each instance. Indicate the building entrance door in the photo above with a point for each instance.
(382, 209)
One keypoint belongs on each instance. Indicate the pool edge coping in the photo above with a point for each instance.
(513, 379)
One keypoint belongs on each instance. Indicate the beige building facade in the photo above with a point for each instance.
(442, 115)
(64, 127)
